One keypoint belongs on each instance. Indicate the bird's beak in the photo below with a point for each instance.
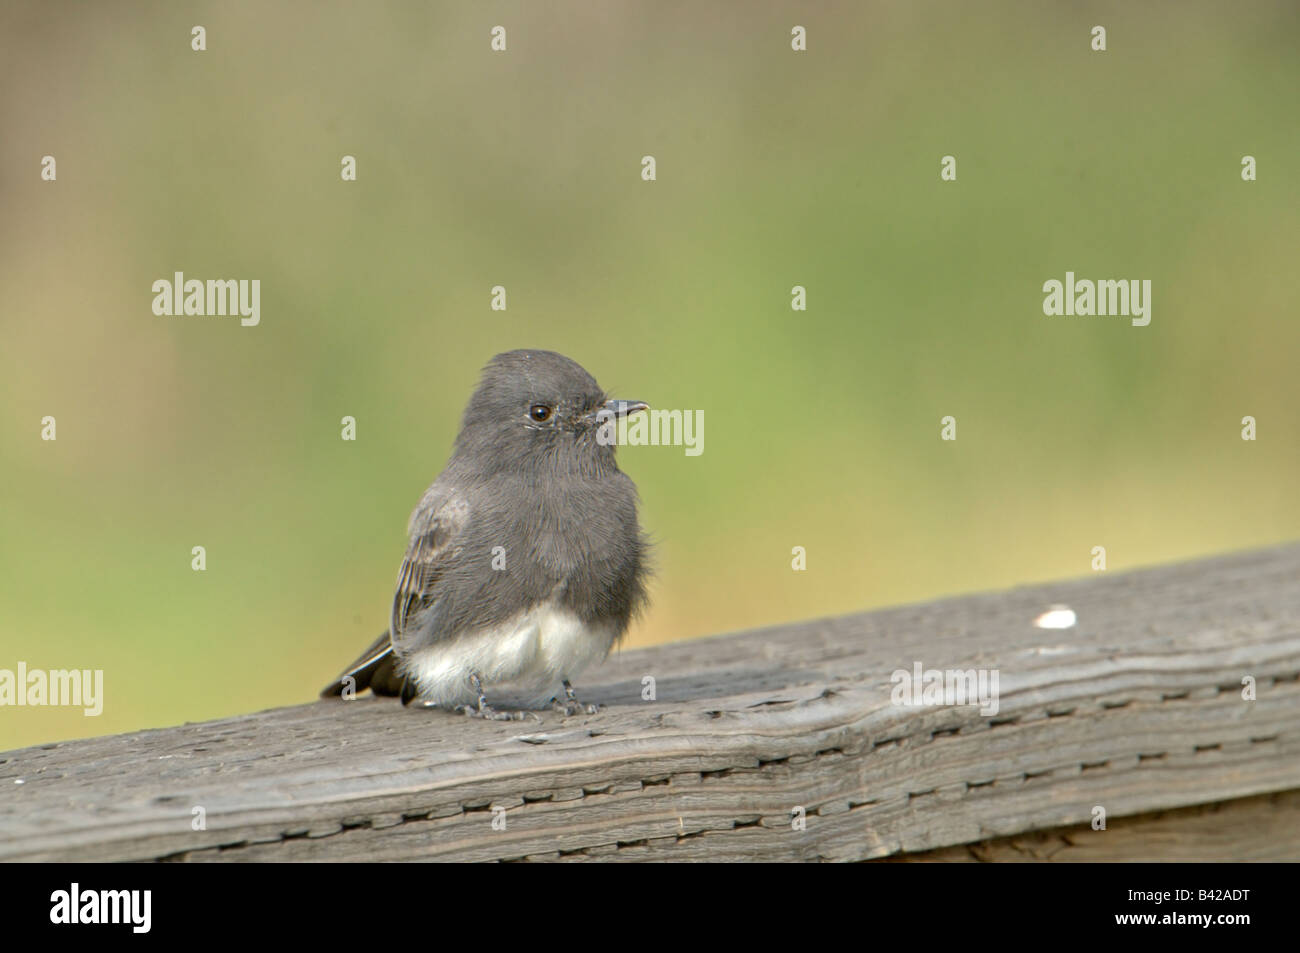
(603, 417)
(623, 408)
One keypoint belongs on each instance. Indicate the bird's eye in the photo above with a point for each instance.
(539, 412)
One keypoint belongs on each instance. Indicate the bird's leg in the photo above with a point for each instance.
(484, 710)
(571, 705)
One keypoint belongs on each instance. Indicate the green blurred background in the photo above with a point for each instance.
(522, 169)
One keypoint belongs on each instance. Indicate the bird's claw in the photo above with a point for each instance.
(571, 706)
(484, 710)
(491, 714)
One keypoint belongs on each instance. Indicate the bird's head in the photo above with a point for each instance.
(540, 407)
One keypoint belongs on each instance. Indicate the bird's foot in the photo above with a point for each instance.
(571, 706)
(483, 710)
(491, 714)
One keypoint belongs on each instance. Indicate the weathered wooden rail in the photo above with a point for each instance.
(1138, 709)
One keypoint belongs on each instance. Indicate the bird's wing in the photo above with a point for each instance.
(434, 529)
(374, 669)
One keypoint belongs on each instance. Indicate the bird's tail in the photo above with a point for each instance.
(375, 669)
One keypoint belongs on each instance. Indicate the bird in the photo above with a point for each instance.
(525, 560)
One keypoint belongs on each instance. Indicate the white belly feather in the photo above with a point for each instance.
(530, 655)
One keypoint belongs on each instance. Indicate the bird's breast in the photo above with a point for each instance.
(528, 655)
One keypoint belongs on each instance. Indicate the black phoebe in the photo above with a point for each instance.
(525, 561)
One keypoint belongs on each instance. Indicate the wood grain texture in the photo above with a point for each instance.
(1264, 828)
(1137, 709)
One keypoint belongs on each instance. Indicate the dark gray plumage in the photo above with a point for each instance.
(525, 561)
